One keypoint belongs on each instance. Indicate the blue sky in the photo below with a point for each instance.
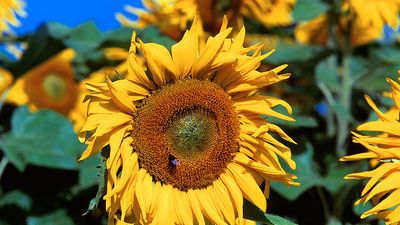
(73, 13)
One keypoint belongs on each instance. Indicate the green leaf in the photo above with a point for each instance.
(88, 172)
(334, 181)
(361, 208)
(277, 220)
(17, 198)
(308, 9)
(152, 34)
(102, 181)
(326, 72)
(59, 217)
(118, 38)
(290, 52)
(43, 139)
(358, 68)
(84, 38)
(301, 121)
(252, 212)
(306, 172)
(388, 54)
(375, 80)
(57, 30)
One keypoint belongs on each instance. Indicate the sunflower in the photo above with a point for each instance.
(50, 84)
(374, 13)
(364, 27)
(171, 16)
(383, 187)
(185, 136)
(9, 10)
(315, 31)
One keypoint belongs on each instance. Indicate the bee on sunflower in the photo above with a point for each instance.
(186, 139)
(383, 187)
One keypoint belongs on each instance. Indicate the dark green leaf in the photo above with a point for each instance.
(44, 139)
(289, 52)
(59, 217)
(277, 220)
(308, 9)
(17, 198)
(306, 172)
(252, 212)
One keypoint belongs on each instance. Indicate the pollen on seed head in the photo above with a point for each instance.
(186, 133)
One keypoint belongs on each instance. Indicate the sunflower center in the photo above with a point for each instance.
(186, 133)
(54, 86)
(191, 131)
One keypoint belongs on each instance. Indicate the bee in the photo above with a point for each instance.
(174, 162)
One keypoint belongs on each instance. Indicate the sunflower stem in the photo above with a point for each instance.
(324, 202)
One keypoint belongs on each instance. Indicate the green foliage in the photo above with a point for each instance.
(308, 9)
(44, 139)
(293, 52)
(277, 220)
(309, 175)
(102, 182)
(17, 198)
(58, 217)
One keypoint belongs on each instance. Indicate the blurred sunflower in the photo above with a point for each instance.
(78, 115)
(9, 10)
(172, 16)
(383, 187)
(50, 85)
(6, 80)
(186, 139)
(364, 27)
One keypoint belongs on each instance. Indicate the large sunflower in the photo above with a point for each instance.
(383, 187)
(50, 84)
(9, 9)
(185, 136)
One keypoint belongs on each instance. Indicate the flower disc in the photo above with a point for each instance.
(186, 133)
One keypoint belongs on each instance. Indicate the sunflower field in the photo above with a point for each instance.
(240, 112)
